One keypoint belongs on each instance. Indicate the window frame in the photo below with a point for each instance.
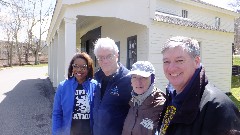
(184, 13)
(131, 51)
(217, 22)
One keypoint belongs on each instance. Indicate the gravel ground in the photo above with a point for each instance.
(26, 98)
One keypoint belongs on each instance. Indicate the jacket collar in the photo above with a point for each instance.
(139, 99)
(190, 106)
(121, 73)
(73, 80)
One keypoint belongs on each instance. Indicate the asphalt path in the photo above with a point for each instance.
(26, 97)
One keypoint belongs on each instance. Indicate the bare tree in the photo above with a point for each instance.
(9, 46)
(13, 24)
(5, 3)
(31, 21)
(16, 25)
(6, 26)
(236, 6)
(28, 15)
(35, 16)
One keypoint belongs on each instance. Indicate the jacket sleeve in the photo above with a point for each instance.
(222, 117)
(57, 114)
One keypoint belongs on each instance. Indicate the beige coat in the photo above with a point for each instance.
(143, 119)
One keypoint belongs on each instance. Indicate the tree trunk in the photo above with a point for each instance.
(36, 57)
(26, 57)
(19, 56)
(11, 55)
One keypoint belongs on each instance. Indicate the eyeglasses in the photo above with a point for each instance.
(108, 57)
(83, 67)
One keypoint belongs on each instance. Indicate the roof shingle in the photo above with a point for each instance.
(162, 17)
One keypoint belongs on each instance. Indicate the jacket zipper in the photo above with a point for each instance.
(135, 120)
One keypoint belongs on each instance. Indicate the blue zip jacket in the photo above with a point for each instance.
(110, 112)
(64, 103)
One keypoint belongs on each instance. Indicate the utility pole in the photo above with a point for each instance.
(40, 37)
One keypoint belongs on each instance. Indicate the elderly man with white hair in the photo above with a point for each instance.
(113, 92)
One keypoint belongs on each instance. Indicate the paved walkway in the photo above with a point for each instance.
(26, 97)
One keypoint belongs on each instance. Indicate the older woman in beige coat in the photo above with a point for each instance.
(146, 103)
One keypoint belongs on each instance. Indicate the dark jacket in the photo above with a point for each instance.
(143, 119)
(110, 111)
(205, 111)
(64, 103)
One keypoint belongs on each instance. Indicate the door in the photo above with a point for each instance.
(131, 51)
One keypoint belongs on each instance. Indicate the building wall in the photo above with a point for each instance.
(215, 52)
(122, 19)
(196, 13)
(120, 30)
(122, 9)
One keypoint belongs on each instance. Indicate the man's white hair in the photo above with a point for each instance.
(105, 43)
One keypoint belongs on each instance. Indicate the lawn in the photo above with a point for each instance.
(235, 96)
(236, 60)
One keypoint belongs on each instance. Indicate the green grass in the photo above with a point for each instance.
(236, 60)
(235, 96)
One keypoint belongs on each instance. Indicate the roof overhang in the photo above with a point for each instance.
(171, 19)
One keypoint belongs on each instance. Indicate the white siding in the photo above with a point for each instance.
(196, 13)
(167, 6)
(120, 30)
(216, 53)
(122, 9)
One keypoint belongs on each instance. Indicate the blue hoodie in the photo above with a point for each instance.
(111, 110)
(64, 103)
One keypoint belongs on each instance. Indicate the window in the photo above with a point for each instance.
(131, 51)
(200, 46)
(87, 43)
(184, 13)
(217, 22)
(118, 45)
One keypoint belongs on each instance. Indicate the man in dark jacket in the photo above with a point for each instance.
(194, 106)
(114, 90)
